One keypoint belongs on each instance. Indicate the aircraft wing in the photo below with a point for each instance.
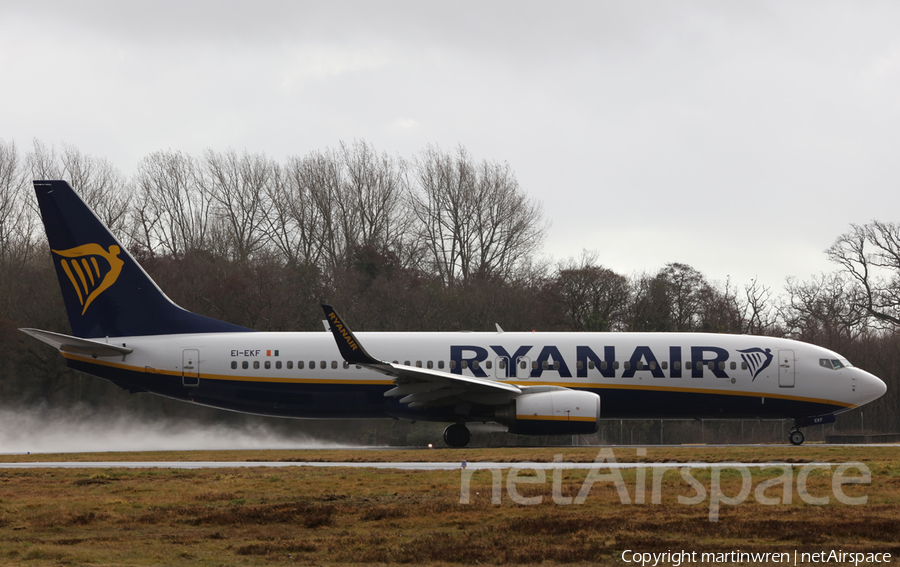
(420, 387)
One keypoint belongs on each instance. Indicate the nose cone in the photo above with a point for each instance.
(869, 387)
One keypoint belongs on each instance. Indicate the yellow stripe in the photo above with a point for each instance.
(230, 378)
(591, 386)
(65, 267)
(78, 271)
(601, 386)
(87, 269)
(555, 418)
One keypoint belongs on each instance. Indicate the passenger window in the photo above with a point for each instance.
(346, 365)
(418, 364)
(555, 365)
(639, 365)
(501, 364)
(255, 365)
(676, 365)
(452, 365)
(545, 365)
(591, 364)
(627, 365)
(245, 365)
(488, 364)
(733, 365)
(475, 365)
(234, 364)
(290, 364)
(405, 363)
(687, 365)
(440, 364)
(465, 364)
(300, 365)
(278, 365)
(312, 364)
(665, 365)
(323, 365)
(334, 364)
(268, 364)
(523, 365)
(615, 365)
(579, 365)
(744, 366)
(603, 364)
(721, 366)
(430, 364)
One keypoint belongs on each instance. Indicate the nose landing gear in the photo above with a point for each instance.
(457, 435)
(796, 436)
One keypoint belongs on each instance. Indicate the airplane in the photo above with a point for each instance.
(126, 330)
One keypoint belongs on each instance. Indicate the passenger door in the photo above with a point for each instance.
(786, 368)
(190, 367)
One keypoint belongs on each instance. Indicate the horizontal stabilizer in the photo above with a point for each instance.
(67, 343)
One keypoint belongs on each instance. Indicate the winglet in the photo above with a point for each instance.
(351, 350)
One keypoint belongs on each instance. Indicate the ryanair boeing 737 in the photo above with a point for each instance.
(125, 330)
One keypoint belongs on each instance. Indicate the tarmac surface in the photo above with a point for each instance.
(410, 466)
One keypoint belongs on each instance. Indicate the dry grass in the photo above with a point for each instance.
(760, 453)
(303, 515)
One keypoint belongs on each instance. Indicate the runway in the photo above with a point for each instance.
(405, 466)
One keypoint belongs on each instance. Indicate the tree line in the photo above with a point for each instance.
(436, 241)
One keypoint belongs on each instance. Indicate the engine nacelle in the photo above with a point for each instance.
(558, 412)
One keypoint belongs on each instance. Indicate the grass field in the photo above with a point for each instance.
(305, 515)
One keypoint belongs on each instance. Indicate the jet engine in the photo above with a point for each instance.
(557, 412)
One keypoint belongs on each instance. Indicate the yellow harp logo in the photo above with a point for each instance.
(89, 276)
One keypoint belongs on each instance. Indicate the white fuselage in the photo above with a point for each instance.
(639, 375)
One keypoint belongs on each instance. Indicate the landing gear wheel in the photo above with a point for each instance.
(457, 435)
(796, 437)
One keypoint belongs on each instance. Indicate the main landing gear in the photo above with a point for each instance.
(457, 435)
(796, 436)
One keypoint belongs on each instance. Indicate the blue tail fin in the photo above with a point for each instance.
(106, 292)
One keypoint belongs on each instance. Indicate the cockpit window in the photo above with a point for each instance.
(833, 363)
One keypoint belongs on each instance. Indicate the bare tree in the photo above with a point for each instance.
(473, 219)
(17, 223)
(99, 183)
(294, 224)
(827, 311)
(173, 214)
(238, 185)
(685, 289)
(329, 204)
(592, 297)
(870, 255)
(374, 187)
(759, 315)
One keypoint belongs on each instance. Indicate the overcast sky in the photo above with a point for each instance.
(738, 137)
